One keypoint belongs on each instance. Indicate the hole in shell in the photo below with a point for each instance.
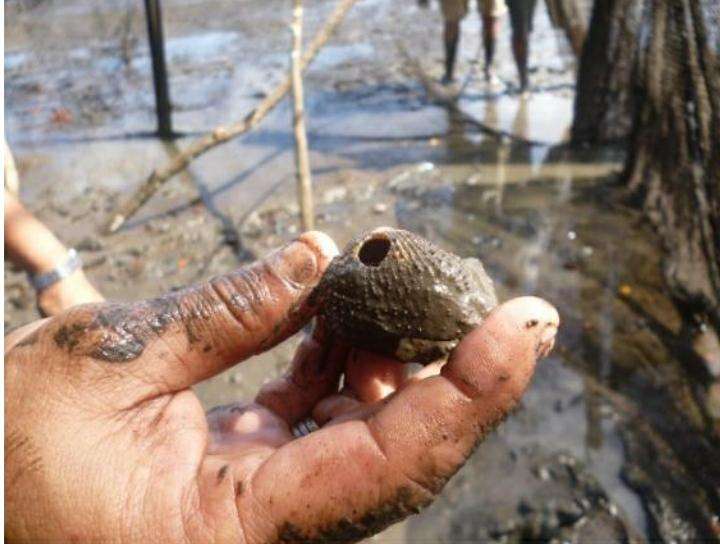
(374, 250)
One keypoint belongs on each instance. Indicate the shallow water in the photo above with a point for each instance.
(619, 391)
(566, 239)
(532, 240)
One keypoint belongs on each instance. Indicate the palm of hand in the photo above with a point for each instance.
(106, 441)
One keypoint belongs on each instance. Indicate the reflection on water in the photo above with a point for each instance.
(540, 232)
(544, 116)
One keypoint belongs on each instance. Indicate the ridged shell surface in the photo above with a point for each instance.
(396, 293)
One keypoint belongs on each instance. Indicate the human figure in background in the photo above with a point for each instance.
(491, 12)
(521, 21)
(54, 270)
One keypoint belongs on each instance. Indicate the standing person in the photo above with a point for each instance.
(453, 12)
(521, 20)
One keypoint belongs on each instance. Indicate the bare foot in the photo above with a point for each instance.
(68, 292)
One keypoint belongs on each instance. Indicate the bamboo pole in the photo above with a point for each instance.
(302, 160)
(221, 134)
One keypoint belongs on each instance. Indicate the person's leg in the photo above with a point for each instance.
(519, 40)
(451, 36)
(521, 15)
(491, 12)
(491, 27)
(453, 12)
(520, 52)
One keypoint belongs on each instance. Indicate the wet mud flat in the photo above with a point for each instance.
(612, 443)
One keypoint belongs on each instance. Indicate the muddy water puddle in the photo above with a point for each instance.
(534, 240)
(617, 369)
(572, 463)
(599, 264)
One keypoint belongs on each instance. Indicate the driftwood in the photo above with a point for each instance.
(223, 134)
(449, 99)
(302, 161)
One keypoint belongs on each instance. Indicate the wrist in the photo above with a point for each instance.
(54, 270)
(41, 258)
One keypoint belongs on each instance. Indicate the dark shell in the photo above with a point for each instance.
(393, 292)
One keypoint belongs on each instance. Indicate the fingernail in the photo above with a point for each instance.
(538, 318)
(323, 246)
(296, 263)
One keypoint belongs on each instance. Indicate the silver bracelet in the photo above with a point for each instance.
(60, 272)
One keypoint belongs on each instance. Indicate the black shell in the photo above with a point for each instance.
(393, 292)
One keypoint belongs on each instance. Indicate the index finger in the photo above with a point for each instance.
(176, 340)
(350, 480)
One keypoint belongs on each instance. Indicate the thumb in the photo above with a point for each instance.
(186, 336)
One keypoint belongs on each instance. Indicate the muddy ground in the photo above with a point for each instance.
(613, 442)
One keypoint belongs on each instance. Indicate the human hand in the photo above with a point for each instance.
(105, 441)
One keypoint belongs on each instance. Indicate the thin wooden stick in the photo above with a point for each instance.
(223, 134)
(302, 161)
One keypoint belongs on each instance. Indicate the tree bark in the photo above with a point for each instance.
(674, 164)
(604, 101)
(567, 15)
(654, 66)
(650, 71)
